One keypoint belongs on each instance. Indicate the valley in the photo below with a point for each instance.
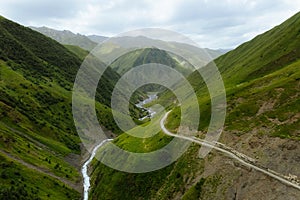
(256, 157)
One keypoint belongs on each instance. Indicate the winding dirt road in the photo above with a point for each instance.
(245, 160)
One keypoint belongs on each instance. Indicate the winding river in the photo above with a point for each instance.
(84, 169)
(151, 112)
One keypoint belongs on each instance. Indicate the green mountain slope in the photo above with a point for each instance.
(264, 54)
(262, 82)
(261, 66)
(81, 53)
(38, 140)
(145, 56)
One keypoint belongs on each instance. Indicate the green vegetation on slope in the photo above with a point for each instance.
(262, 82)
(161, 184)
(256, 86)
(146, 56)
(36, 123)
(262, 55)
(81, 53)
(20, 182)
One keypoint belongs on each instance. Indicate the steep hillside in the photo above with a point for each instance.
(262, 82)
(145, 56)
(67, 37)
(264, 54)
(38, 140)
(81, 53)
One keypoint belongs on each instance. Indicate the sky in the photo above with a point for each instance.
(211, 23)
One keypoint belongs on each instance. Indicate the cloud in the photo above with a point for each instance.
(212, 23)
(36, 10)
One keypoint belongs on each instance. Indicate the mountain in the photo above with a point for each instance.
(38, 139)
(272, 51)
(113, 47)
(148, 55)
(262, 80)
(39, 142)
(117, 45)
(97, 38)
(67, 37)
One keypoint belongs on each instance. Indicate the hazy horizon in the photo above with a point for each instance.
(212, 24)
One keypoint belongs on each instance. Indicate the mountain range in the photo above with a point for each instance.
(39, 142)
(115, 45)
(67, 37)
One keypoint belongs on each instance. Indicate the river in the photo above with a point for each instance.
(141, 104)
(84, 169)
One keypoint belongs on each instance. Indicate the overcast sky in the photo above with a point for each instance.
(211, 23)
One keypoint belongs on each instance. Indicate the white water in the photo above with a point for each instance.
(86, 178)
(150, 110)
(84, 172)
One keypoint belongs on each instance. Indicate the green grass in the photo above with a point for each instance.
(153, 137)
(20, 182)
(81, 53)
(278, 88)
(110, 183)
(195, 191)
(34, 103)
(262, 55)
(31, 151)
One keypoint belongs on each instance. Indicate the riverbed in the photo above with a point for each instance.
(151, 97)
(84, 169)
